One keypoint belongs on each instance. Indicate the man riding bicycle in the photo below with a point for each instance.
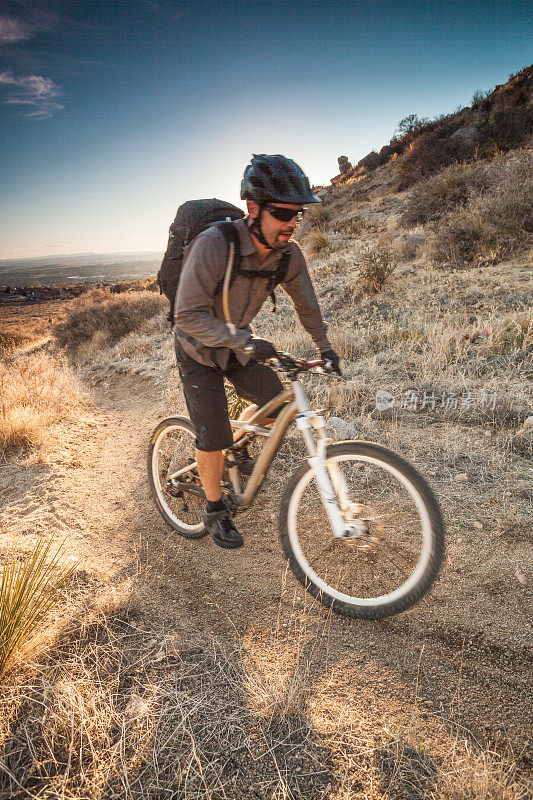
(276, 192)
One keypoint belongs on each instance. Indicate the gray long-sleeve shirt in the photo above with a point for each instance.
(198, 314)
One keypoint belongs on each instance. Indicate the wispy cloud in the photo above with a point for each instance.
(20, 19)
(36, 93)
(14, 29)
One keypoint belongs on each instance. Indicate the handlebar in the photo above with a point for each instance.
(285, 362)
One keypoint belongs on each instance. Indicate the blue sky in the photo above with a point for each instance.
(113, 113)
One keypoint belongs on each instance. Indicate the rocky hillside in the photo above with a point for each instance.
(495, 122)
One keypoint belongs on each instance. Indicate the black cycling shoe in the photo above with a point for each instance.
(222, 530)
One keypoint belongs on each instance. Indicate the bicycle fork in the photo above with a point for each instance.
(307, 419)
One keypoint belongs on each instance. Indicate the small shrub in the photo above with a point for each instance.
(410, 125)
(99, 319)
(28, 590)
(479, 97)
(317, 241)
(505, 128)
(375, 267)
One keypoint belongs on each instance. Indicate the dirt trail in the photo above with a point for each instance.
(479, 671)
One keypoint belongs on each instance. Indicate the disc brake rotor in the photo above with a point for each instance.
(368, 531)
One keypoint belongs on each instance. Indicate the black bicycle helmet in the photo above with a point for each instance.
(276, 179)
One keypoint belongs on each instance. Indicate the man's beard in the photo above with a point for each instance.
(276, 243)
(279, 244)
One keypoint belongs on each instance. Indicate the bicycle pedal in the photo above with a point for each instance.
(171, 491)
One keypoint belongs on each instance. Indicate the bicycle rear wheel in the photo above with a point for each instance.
(180, 501)
(394, 562)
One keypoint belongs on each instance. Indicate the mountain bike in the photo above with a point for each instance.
(360, 527)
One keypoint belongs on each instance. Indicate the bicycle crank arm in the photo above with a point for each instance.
(189, 488)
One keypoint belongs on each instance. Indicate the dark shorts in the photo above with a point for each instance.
(205, 395)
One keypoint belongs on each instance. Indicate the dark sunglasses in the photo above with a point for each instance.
(285, 214)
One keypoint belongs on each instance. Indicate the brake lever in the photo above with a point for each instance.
(329, 370)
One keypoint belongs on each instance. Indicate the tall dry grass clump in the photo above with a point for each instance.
(35, 392)
(318, 215)
(443, 192)
(110, 716)
(495, 222)
(99, 319)
(29, 588)
(317, 241)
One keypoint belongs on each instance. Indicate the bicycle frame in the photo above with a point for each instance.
(274, 436)
(330, 482)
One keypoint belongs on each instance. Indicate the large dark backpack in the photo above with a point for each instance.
(191, 219)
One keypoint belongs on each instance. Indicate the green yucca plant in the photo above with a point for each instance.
(28, 589)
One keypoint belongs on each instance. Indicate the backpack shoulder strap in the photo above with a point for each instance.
(231, 235)
(279, 276)
(274, 276)
(283, 266)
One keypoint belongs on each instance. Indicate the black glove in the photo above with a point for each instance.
(331, 355)
(263, 349)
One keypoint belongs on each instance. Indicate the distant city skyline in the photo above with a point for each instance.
(115, 112)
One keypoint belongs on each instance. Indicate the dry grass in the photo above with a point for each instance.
(117, 713)
(318, 214)
(504, 127)
(443, 192)
(148, 351)
(9, 341)
(98, 319)
(317, 241)
(426, 154)
(35, 392)
(352, 226)
(494, 223)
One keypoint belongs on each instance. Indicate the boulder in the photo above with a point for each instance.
(413, 239)
(340, 430)
(371, 161)
(344, 165)
(465, 136)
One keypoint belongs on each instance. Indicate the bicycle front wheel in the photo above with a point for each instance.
(179, 498)
(396, 554)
